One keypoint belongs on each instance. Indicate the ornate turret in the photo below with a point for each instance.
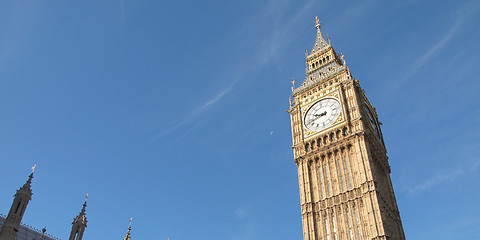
(127, 237)
(322, 62)
(19, 205)
(79, 223)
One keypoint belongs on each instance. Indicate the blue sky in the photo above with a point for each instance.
(173, 113)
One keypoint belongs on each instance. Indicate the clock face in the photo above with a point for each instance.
(322, 114)
(372, 121)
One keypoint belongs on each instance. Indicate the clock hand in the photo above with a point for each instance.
(317, 117)
(321, 114)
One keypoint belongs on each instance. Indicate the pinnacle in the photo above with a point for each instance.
(127, 237)
(84, 204)
(28, 184)
(320, 42)
(81, 217)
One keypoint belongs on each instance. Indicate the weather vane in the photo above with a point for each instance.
(33, 168)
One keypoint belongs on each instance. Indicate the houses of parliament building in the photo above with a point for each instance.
(13, 229)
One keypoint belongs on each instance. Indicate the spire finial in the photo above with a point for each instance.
(85, 204)
(81, 215)
(28, 183)
(317, 22)
(127, 237)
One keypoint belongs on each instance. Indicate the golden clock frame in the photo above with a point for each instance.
(341, 120)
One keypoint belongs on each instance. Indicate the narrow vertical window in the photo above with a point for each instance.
(321, 181)
(328, 179)
(356, 220)
(349, 225)
(326, 226)
(18, 206)
(341, 172)
(334, 228)
(22, 208)
(348, 171)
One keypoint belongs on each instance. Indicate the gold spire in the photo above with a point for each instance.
(320, 42)
(127, 237)
(33, 168)
(317, 22)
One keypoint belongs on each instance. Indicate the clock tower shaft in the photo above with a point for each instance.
(343, 171)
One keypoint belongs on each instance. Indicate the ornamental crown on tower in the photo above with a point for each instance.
(321, 63)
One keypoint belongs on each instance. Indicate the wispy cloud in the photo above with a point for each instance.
(462, 14)
(122, 9)
(443, 177)
(351, 13)
(267, 50)
(200, 109)
(244, 213)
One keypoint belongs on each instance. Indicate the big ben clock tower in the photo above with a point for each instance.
(343, 170)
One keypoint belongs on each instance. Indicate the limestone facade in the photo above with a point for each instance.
(343, 169)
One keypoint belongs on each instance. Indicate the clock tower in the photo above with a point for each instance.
(343, 170)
